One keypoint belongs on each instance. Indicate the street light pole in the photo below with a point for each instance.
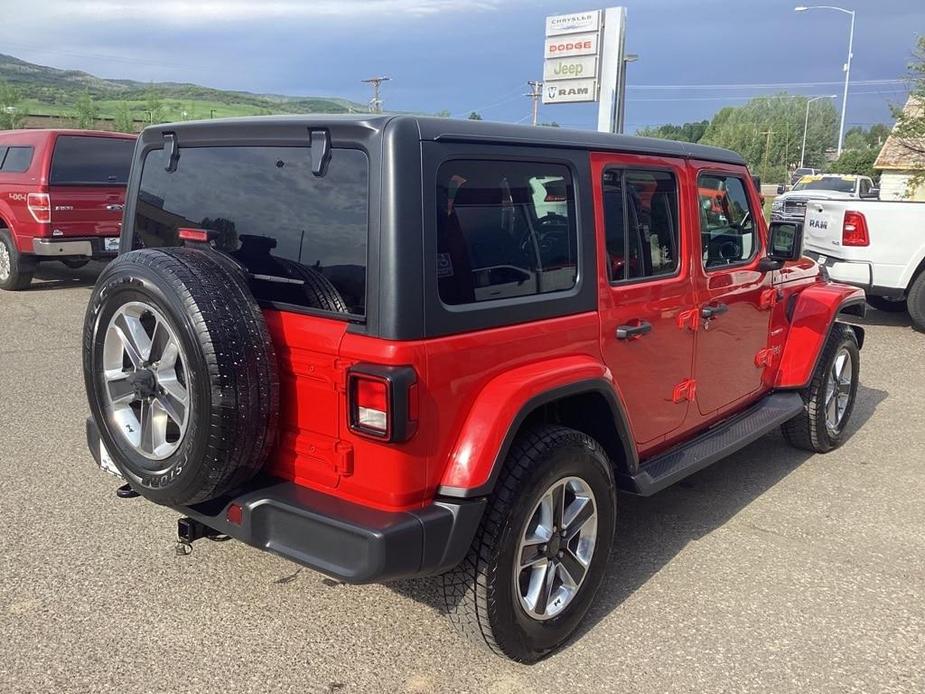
(847, 67)
(806, 124)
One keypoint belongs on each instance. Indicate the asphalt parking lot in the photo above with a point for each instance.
(773, 571)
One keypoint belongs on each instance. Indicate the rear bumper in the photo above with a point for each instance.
(350, 542)
(855, 273)
(93, 247)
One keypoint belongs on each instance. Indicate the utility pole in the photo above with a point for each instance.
(375, 104)
(535, 94)
(767, 146)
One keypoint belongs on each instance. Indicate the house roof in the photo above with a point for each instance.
(896, 154)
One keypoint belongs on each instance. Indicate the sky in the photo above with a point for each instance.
(476, 55)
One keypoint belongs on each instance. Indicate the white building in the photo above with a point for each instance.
(899, 161)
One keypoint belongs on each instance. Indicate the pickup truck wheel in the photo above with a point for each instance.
(180, 373)
(915, 302)
(886, 304)
(15, 269)
(829, 397)
(75, 263)
(541, 551)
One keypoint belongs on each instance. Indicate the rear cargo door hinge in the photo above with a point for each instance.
(340, 374)
(343, 458)
(686, 390)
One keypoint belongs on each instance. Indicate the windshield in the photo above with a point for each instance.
(83, 160)
(837, 183)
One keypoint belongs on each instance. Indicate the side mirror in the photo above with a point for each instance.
(872, 193)
(785, 240)
(781, 189)
(757, 181)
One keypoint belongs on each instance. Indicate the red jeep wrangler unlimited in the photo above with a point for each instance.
(61, 198)
(394, 346)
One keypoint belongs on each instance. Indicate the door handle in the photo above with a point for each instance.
(115, 208)
(713, 311)
(630, 332)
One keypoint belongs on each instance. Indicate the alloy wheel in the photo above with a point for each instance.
(145, 380)
(838, 391)
(5, 262)
(556, 548)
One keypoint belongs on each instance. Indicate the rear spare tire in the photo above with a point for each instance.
(181, 373)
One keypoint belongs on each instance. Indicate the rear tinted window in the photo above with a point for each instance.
(17, 159)
(81, 160)
(505, 230)
(285, 225)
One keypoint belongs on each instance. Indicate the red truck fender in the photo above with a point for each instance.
(503, 405)
(814, 313)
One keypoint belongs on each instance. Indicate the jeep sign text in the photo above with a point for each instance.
(584, 67)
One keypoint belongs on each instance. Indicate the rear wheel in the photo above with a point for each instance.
(541, 551)
(829, 397)
(15, 269)
(886, 304)
(916, 302)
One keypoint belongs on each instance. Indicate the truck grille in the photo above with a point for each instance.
(795, 206)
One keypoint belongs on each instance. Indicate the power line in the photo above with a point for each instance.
(759, 85)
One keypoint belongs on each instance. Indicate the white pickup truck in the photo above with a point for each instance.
(879, 246)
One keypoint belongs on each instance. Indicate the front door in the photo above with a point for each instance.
(733, 293)
(646, 288)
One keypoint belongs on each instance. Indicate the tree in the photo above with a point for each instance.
(10, 115)
(154, 107)
(443, 114)
(856, 161)
(768, 133)
(910, 121)
(124, 121)
(688, 132)
(474, 116)
(86, 112)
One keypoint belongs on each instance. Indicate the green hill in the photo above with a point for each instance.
(50, 91)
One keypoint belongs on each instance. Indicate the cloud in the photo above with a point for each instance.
(187, 11)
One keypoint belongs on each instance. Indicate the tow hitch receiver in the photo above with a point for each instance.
(189, 530)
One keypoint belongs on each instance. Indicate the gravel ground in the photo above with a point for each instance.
(772, 571)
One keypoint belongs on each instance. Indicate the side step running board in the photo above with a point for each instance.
(722, 440)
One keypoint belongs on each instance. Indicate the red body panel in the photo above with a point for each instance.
(815, 310)
(471, 387)
(76, 211)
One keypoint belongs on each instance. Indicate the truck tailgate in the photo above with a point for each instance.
(86, 210)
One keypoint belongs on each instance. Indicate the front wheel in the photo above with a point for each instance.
(830, 395)
(541, 551)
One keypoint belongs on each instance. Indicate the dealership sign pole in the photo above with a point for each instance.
(584, 62)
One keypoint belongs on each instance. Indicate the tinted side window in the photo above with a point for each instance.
(18, 159)
(641, 224)
(82, 160)
(727, 226)
(285, 225)
(505, 229)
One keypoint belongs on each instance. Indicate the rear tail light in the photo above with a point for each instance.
(200, 235)
(854, 230)
(39, 205)
(379, 401)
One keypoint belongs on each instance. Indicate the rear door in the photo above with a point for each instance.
(86, 183)
(733, 293)
(646, 289)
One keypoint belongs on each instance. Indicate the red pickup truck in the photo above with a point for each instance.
(61, 198)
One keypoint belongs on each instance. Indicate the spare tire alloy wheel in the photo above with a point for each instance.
(556, 548)
(146, 384)
(181, 374)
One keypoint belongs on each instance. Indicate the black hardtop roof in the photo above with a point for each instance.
(450, 129)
